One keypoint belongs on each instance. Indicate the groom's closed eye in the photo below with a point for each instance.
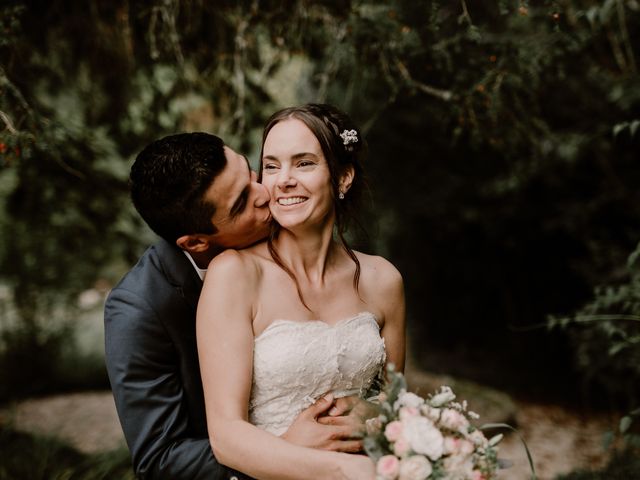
(240, 204)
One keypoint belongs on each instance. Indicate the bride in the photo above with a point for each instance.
(301, 315)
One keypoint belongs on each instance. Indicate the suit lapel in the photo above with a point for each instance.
(179, 272)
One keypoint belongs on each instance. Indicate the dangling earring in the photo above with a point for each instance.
(341, 196)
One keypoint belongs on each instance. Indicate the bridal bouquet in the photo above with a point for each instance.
(415, 438)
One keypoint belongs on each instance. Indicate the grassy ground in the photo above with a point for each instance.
(32, 457)
(625, 466)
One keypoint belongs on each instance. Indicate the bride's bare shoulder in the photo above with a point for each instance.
(242, 265)
(379, 273)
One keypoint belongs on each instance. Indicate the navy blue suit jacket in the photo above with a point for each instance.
(152, 362)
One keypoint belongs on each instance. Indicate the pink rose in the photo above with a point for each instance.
(477, 475)
(388, 467)
(466, 447)
(393, 431)
(401, 447)
(451, 445)
(458, 446)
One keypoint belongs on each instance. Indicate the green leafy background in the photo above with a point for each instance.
(503, 166)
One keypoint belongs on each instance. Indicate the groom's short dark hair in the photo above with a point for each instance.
(169, 179)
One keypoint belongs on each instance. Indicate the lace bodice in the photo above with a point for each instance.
(294, 363)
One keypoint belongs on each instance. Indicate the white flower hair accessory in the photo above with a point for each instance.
(349, 137)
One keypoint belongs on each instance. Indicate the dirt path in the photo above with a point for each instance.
(87, 421)
(560, 441)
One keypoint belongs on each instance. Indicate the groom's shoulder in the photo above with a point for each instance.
(155, 267)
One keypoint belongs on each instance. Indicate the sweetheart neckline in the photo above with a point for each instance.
(280, 321)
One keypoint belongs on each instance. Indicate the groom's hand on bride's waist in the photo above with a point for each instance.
(315, 428)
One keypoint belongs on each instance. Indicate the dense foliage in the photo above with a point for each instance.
(503, 139)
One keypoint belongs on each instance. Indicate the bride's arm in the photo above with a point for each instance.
(225, 347)
(393, 331)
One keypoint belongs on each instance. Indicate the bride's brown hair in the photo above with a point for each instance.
(327, 123)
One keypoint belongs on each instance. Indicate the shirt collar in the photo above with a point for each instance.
(200, 271)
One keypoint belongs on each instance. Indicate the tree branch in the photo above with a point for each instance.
(445, 95)
(8, 123)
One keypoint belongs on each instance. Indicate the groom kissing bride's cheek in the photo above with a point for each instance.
(241, 341)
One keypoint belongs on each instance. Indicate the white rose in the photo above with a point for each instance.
(416, 467)
(424, 437)
(408, 399)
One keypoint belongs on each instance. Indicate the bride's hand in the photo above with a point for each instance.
(354, 407)
(343, 405)
(339, 435)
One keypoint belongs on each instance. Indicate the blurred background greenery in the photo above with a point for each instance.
(504, 139)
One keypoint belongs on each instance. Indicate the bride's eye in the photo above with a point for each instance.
(305, 163)
(269, 167)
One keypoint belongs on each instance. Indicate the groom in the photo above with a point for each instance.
(201, 197)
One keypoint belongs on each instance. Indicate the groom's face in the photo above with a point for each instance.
(242, 204)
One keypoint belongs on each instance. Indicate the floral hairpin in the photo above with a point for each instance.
(349, 137)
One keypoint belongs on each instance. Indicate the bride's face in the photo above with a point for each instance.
(296, 174)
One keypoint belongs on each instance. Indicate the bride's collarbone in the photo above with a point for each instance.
(320, 289)
(330, 311)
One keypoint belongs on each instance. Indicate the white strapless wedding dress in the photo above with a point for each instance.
(295, 363)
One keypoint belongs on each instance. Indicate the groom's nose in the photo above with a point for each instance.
(261, 196)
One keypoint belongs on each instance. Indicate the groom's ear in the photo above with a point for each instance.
(195, 243)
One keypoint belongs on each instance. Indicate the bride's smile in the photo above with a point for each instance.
(286, 201)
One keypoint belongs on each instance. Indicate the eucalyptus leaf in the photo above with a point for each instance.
(373, 448)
